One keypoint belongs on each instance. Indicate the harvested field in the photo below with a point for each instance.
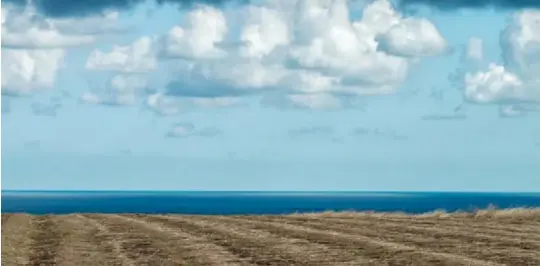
(488, 237)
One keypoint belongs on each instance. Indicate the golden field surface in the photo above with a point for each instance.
(489, 237)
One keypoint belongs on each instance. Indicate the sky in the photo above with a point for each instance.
(329, 95)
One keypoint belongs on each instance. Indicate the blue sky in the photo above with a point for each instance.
(271, 95)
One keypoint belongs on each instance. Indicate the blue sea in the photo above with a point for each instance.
(210, 203)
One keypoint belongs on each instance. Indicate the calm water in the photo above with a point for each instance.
(58, 202)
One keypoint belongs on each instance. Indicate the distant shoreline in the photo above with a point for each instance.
(486, 213)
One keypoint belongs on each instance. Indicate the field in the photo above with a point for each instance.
(489, 237)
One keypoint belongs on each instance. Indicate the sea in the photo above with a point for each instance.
(253, 202)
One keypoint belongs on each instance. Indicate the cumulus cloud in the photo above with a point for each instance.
(308, 51)
(413, 38)
(28, 71)
(122, 89)
(456, 4)
(25, 29)
(34, 46)
(128, 64)
(96, 24)
(183, 130)
(68, 8)
(28, 29)
(517, 80)
(134, 58)
(494, 85)
(205, 27)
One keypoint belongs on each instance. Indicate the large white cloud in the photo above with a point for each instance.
(128, 64)
(315, 48)
(413, 38)
(97, 24)
(34, 47)
(27, 71)
(205, 27)
(519, 79)
(494, 85)
(26, 29)
(121, 89)
(307, 50)
(136, 57)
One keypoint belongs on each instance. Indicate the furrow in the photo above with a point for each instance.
(84, 244)
(186, 247)
(259, 247)
(16, 240)
(130, 245)
(46, 239)
(385, 252)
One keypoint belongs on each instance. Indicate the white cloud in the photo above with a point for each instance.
(264, 30)
(328, 42)
(205, 27)
(162, 104)
(521, 44)
(413, 38)
(36, 38)
(518, 80)
(169, 105)
(182, 130)
(315, 101)
(316, 48)
(494, 85)
(90, 98)
(307, 50)
(509, 111)
(475, 49)
(27, 71)
(138, 57)
(27, 30)
(122, 89)
(34, 47)
(97, 24)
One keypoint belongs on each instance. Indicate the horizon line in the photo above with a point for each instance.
(270, 191)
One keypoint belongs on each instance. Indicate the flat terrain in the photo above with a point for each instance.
(502, 237)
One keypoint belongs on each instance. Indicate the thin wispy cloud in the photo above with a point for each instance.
(46, 109)
(321, 131)
(186, 129)
(444, 117)
(390, 134)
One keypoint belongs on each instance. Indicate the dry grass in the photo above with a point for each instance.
(483, 237)
(491, 213)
